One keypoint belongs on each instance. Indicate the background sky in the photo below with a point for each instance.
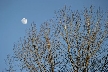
(39, 11)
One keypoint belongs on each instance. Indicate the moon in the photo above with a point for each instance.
(24, 21)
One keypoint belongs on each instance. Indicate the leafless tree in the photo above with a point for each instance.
(71, 42)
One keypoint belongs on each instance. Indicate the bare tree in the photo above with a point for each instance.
(71, 42)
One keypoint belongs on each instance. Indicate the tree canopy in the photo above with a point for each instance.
(73, 41)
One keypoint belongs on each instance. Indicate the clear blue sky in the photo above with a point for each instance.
(12, 11)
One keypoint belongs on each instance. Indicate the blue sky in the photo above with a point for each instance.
(39, 11)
